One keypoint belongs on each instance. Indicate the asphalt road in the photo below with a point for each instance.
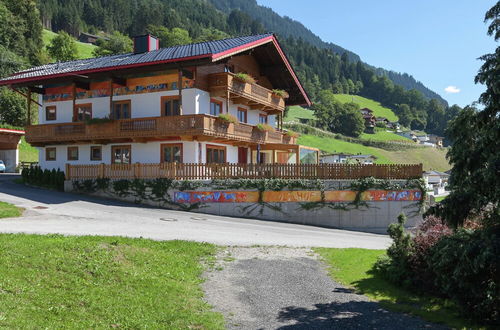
(73, 214)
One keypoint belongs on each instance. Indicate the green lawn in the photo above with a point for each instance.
(103, 282)
(381, 134)
(295, 112)
(378, 109)
(8, 211)
(27, 153)
(352, 268)
(331, 145)
(84, 50)
(439, 199)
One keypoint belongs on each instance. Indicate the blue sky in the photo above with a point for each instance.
(436, 41)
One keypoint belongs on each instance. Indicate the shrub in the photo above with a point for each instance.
(466, 267)
(430, 232)
(245, 77)
(292, 134)
(228, 118)
(394, 266)
(53, 179)
(264, 128)
(281, 93)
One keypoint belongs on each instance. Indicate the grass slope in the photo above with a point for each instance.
(27, 153)
(331, 145)
(103, 282)
(381, 134)
(9, 211)
(431, 158)
(378, 109)
(295, 112)
(84, 50)
(353, 268)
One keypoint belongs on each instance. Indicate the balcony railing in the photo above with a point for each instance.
(181, 171)
(253, 95)
(143, 129)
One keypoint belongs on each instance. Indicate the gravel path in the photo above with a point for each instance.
(289, 288)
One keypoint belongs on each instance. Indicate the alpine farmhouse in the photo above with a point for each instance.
(211, 102)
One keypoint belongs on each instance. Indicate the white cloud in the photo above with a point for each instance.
(452, 89)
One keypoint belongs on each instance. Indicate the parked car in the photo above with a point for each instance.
(2, 167)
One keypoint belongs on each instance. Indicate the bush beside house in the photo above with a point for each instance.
(462, 265)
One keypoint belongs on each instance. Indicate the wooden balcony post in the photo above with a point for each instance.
(28, 100)
(179, 87)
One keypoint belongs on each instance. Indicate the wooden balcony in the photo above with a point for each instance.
(240, 92)
(201, 127)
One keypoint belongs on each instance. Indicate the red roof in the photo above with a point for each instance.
(212, 50)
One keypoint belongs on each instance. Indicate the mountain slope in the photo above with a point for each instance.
(288, 27)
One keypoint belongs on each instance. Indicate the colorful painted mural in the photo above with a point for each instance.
(101, 89)
(294, 196)
(216, 196)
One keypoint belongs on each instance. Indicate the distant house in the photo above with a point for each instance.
(394, 125)
(369, 120)
(382, 120)
(363, 159)
(436, 181)
(342, 158)
(422, 138)
(335, 158)
(90, 38)
(437, 140)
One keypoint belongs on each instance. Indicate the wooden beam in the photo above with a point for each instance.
(26, 96)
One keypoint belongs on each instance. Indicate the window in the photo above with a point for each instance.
(121, 110)
(216, 154)
(72, 153)
(120, 155)
(171, 153)
(242, 115)
(82, 112)
(170, 106)
(50, 153)
(262, 119)
(215, 107)
(50, 113)
(95, 153)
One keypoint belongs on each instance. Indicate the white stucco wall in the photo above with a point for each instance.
(149, 152)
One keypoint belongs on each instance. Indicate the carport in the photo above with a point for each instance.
(9, 142)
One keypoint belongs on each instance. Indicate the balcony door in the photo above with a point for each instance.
(170, 106)
(82, 112)
(121, 110)
(242, 155)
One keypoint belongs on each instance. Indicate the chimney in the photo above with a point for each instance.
(145, 43)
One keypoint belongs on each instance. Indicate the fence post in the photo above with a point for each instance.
(137, 170)
(101, 171)
(66, 171)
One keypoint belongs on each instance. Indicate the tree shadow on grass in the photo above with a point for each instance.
(400, 299)
(350, 315)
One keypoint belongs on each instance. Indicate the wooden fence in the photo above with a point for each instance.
(185, 171)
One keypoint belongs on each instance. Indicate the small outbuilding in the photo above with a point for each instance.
(9, 143)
